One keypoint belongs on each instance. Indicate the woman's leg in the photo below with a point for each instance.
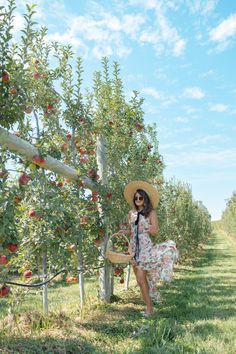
(141, 277)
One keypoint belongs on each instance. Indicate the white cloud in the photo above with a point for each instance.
(194, 93)
(223, 158)
(203, 7)
(181, 119)
(218, 107)
(160, 96)
(224, 30)
(152, 92)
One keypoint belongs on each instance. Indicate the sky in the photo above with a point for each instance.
(180, 55)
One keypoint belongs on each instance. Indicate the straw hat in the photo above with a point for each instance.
(132, 187)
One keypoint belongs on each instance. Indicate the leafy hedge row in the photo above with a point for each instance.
(228, 220)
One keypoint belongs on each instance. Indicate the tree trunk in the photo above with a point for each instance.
(81, 278)
(104, 273)
(23, 148)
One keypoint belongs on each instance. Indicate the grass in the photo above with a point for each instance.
(197, 315)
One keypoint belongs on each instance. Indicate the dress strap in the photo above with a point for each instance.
(136, 235)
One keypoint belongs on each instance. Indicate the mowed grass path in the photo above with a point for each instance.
(197, 314)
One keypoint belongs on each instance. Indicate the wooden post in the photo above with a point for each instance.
(23, 148)
(104, 273)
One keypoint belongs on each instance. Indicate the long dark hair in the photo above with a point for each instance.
(147, 208)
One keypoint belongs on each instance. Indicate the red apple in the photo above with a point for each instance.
(27, 274)
(36, 75)
(60, 184)
(138, 127)
(110, 122)
(84, 159)
(109, 195)
(12, 247)
(122, 280)
(3, 260)
(71, 279)
(65, 147)
(4, 291)
(95, 196)
(38, 160)
(50, 107)
(118, 271)
(82, 151)
(13, 91)
(24, 179)
(31, 213)
(91, 173)
(5, 77)
(68, 136)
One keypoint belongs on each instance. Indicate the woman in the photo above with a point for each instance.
(151, 261)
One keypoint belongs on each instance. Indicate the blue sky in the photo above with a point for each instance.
(180, 55)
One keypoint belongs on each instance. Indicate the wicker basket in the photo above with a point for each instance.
(115, 257)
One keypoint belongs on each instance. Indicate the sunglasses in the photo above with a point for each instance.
(138, 198)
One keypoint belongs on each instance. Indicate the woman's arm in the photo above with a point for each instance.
(153, 229)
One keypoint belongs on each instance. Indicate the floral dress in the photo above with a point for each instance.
(157, 259)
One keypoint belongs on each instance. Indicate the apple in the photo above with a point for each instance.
(118, 271)
(38, 160)
(27, 274)
(65, 147)
(84, 159)
(50, 107)
(91, 173)
(94, 196)
(4, 291)
(12, 247)
(5, 77)
(71, 279)
(31, 213)
(109, 195)
(68, 136)
(82, 120)
(36, 75)
(13, 91)
(110, 122)
(72, 248)
(3, 260)
(122, 280)
(97, 242)
(24, 179)
(82, 151)
(60, 184)
(91, 152)
(138, 127)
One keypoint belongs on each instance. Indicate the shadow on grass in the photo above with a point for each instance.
(45, 345)
(201, 293)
